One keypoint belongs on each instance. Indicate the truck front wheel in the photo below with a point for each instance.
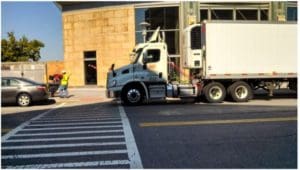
(240, 91)
(132, 95)
(214, 92)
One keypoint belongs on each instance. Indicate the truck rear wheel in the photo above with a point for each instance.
(240, 91)
(132, 95)
(214, 92)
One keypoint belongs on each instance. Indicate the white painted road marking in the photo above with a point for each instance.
(81, 117)
(64, 154)
(133, 153)
(76, 127)
(74, 120)
(70, 165)
(61, 145)
(69, 133)
(65, 124)
(62, 139)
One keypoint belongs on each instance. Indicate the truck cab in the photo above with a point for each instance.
(146, 77)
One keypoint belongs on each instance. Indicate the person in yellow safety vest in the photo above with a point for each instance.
(63, 88)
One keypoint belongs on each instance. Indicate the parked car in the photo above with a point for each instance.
(22, 91)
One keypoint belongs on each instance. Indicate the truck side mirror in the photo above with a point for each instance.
(145, 59)
(132, 57)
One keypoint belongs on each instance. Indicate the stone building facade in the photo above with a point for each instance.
(94, 39)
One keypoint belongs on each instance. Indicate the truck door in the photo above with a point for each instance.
(155, 62)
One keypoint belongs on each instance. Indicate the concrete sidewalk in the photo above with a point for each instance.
(84, 95)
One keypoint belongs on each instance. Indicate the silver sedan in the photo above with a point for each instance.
(22, 91)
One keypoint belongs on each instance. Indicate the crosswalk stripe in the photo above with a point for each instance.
(62, 139)
(69, 133)
(76, 127)
(85, 116)
(80, 123)
(133, 152)
(74, 120)
(63, 154)
(61, 145)
(71, 164)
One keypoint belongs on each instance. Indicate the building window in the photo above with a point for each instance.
(240, 14)
(203, 14)
(264, 15)
(246, 14)
(218, 14)
(171, 38)
(292, 14)
(167, 18)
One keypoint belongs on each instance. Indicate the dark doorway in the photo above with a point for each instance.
(90, 68)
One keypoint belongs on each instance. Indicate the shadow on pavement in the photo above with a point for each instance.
(37, 103)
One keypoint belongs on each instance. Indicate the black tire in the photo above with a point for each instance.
(24, 99)
(293, 85)
(240, 91)
(132, 95)
(214, 92)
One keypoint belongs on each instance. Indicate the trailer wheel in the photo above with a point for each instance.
(132, 95)
(240, 91)
(214, 92)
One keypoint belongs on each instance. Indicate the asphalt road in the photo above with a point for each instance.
(215, 136)
(89, 132)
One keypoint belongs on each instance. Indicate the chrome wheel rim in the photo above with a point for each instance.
(133, 95)
(24, 100)
(241, 92)
(215, 93)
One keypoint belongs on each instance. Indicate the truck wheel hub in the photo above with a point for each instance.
(215, 93)
(133, 95)
(241, 92)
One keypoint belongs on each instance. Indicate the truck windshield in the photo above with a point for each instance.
(136, 55)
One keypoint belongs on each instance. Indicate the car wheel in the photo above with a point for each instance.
(24, 99)
(214, 92)
(132, 95)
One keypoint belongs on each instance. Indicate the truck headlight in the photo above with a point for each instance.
(114, 83)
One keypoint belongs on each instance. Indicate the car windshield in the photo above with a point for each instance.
(135, 55)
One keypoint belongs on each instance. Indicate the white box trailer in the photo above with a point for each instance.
(249, 50)
(238, 57)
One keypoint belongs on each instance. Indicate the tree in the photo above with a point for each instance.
(20, 50)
